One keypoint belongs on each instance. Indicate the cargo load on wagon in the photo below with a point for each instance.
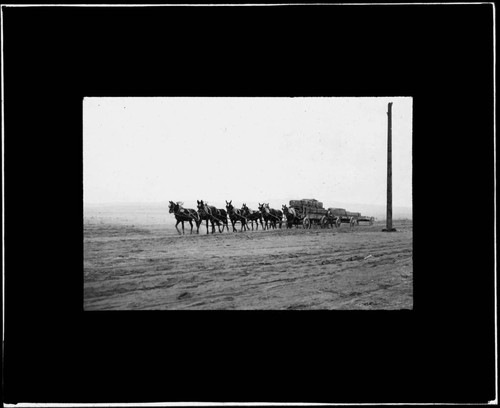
(318, 211)
(306, 202)
(339, 212)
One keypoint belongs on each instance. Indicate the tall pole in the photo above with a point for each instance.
(389, 170)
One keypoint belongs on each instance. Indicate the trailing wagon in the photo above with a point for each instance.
(357, 217)
(365, 218)
(332, 218)
(343, 216)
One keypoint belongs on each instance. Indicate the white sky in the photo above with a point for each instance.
(245, 149)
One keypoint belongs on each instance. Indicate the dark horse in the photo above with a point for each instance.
(184, 214)
(291, 216)
(236, 215)
(252, 216)
(270, 214)
(212, 214)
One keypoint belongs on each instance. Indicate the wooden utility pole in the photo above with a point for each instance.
(389, 170)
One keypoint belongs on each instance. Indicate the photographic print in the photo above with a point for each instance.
(259, 167)
(247, 203)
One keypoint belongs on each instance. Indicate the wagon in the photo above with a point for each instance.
(344, 217)
(357, 217)
(353, 217)
(365, 218)
(316, 216)
(310, 212)
(331, 218)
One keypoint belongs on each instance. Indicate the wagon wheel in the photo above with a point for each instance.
(323, 222)
(306, 223)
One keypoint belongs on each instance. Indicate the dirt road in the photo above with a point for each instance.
(152, 267)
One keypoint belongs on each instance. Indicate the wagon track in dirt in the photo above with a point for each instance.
(132, 268)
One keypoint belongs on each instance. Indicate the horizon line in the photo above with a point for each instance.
(271, 199)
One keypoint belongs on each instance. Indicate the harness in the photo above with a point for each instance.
(187, 214)
(269, 212)
(209, 213)
(252, 212)
(238, 215)
(292, 211)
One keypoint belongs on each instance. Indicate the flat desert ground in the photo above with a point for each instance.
(134, 259)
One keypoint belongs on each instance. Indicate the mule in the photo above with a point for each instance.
(212, 214)
(204, 216)
(276, 216)
(184, 214)
(292, 218)
(236, 215)
(252, 216)
(266, 216)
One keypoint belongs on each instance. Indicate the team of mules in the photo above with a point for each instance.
(265, 216)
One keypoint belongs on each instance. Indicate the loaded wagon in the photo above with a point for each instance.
(332, 217)
(357, 217)
(365, 218)
(343, 216)
(353, 216)
(310, 212)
